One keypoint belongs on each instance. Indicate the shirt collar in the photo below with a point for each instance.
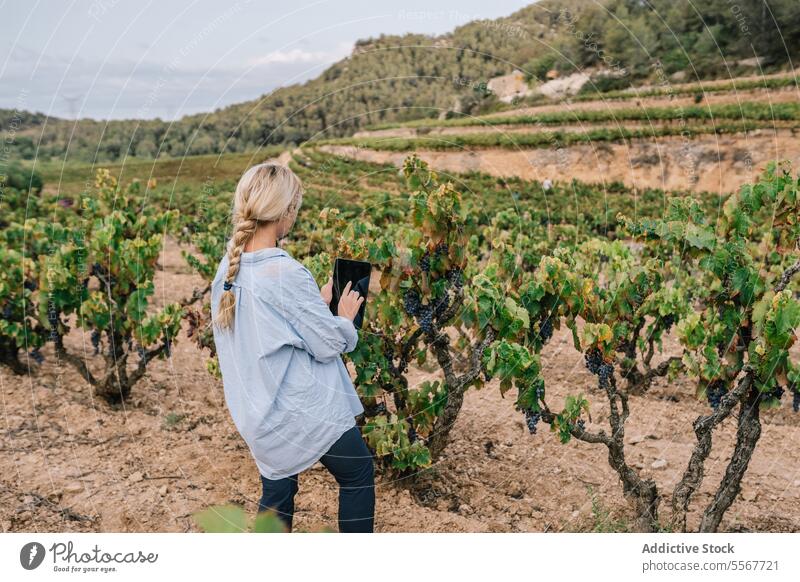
(261, 254)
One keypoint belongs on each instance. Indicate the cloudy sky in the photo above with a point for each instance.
(161, 58)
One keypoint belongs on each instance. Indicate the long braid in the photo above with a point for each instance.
(243, 232)
(265, 193)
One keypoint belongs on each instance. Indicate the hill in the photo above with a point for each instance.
(393, 79)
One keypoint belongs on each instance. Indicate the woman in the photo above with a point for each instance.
(279, 349)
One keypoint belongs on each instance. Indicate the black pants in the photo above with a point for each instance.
(350, 462)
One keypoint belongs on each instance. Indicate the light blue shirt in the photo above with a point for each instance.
(286, 386)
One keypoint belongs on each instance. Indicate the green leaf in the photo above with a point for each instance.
(269, 522)
(698, 237)
(222, 519)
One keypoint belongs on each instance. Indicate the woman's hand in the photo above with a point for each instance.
(327, 291)
(350, 302)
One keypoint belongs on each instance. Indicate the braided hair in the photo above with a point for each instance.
(265, 193)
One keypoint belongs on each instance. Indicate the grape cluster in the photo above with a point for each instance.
(142, 353)
(669, 321)
(441, 305)
(597, 365)
(374, 410)
(532, 419)
(411, 302)
(425, 262)
(426, 318)
(776, 393)
(37, 356)
(796, 400)
(604, 374)
(52, 318)
(546, 329)
(594, 359)
(715, 392)
(7, 312)
(29, 285)
(96, 341)
(581, 425)
(412, 432)
(441, 249)
(454, 277)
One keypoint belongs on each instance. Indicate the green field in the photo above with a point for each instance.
(740, 111)
(541, 139)
(191, 171)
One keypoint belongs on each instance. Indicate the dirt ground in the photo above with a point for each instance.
(704, 163)
(70, 463)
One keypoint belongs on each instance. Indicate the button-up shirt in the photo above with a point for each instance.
(288, 390)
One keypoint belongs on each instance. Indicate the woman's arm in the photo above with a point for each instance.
(326, 335)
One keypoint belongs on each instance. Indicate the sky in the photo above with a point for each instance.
(122, 59)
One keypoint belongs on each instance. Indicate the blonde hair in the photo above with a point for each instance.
(265, 193)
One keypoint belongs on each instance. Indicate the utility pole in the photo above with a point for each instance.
(71, 104)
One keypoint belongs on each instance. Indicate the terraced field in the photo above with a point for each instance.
(671, 137)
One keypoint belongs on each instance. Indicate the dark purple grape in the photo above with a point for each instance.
(426, 318)
(776, 393)
(37, 356)
(7, 312)
(593, 359)
(796, 401)
(441, 305)
(669, 321)
(96, 341)
(532, 419)
(411, 302)
(441, 249)
(425, 262)
(546, 329)
(454, 277)
(715, 392)
(374, 410)
(29, 285)
(412, 432)
(581, 425)
(604, 374)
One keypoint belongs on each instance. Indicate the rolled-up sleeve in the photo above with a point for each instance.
(326, 335)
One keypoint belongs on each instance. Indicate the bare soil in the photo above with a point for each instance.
(71, 463)
(706, 163)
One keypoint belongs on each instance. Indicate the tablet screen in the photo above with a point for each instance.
(358, 273)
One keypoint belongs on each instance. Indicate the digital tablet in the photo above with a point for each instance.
(358, 273)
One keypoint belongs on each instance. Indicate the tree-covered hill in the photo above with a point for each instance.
(397, 78)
